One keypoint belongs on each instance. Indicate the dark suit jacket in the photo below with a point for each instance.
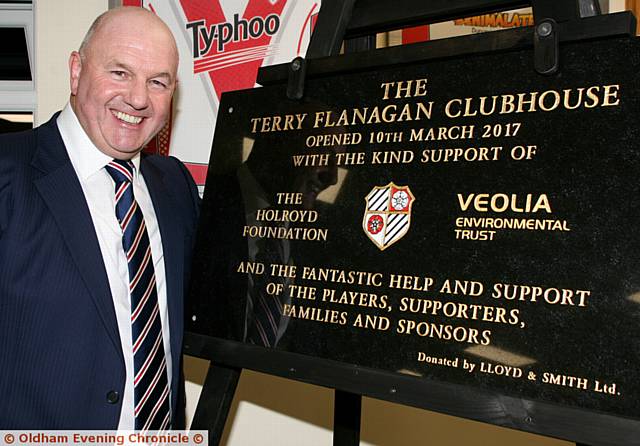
(60, 351)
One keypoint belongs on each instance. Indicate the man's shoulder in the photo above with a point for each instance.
(165, 163)
(173, 173)
(168, 165)
(17, 148)
(18, 137)
(20, 147)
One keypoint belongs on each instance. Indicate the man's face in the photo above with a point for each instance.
(122, 86)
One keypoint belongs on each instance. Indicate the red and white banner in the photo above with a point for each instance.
(222, 43)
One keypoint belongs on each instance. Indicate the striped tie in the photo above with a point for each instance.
(151, 387)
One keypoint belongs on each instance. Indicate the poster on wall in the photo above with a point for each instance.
(222, 44)
(466, 26)
(482, 23)
(496, 21)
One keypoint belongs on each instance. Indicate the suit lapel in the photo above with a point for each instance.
(62, 193)
(173, 250)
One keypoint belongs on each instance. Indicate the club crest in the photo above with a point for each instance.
(387, 214)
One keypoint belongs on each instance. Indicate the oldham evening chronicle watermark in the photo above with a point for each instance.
(104, 438)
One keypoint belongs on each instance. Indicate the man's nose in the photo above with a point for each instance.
(138, 95)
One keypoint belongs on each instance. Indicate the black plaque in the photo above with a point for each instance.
(459, 222)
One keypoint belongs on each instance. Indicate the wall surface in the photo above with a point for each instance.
(269, 411)
(60, 26)
(266, 410)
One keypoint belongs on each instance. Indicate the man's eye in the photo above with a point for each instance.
(158, 84)
(118, 73)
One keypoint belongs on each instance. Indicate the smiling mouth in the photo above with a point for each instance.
(129, 119)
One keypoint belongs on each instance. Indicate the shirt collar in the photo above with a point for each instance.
(85, 157)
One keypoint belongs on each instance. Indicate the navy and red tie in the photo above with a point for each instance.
(151, 387)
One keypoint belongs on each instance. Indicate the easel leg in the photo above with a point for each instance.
(215, 401)
(346, 418)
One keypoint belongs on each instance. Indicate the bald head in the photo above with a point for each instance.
(126, 16)
(122, 80)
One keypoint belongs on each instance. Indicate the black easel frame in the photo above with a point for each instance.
(355, 23)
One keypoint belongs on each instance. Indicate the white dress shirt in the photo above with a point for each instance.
(99, 191)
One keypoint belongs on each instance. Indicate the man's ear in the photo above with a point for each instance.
(75, 67)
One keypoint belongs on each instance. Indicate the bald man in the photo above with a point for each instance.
(95, 242)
